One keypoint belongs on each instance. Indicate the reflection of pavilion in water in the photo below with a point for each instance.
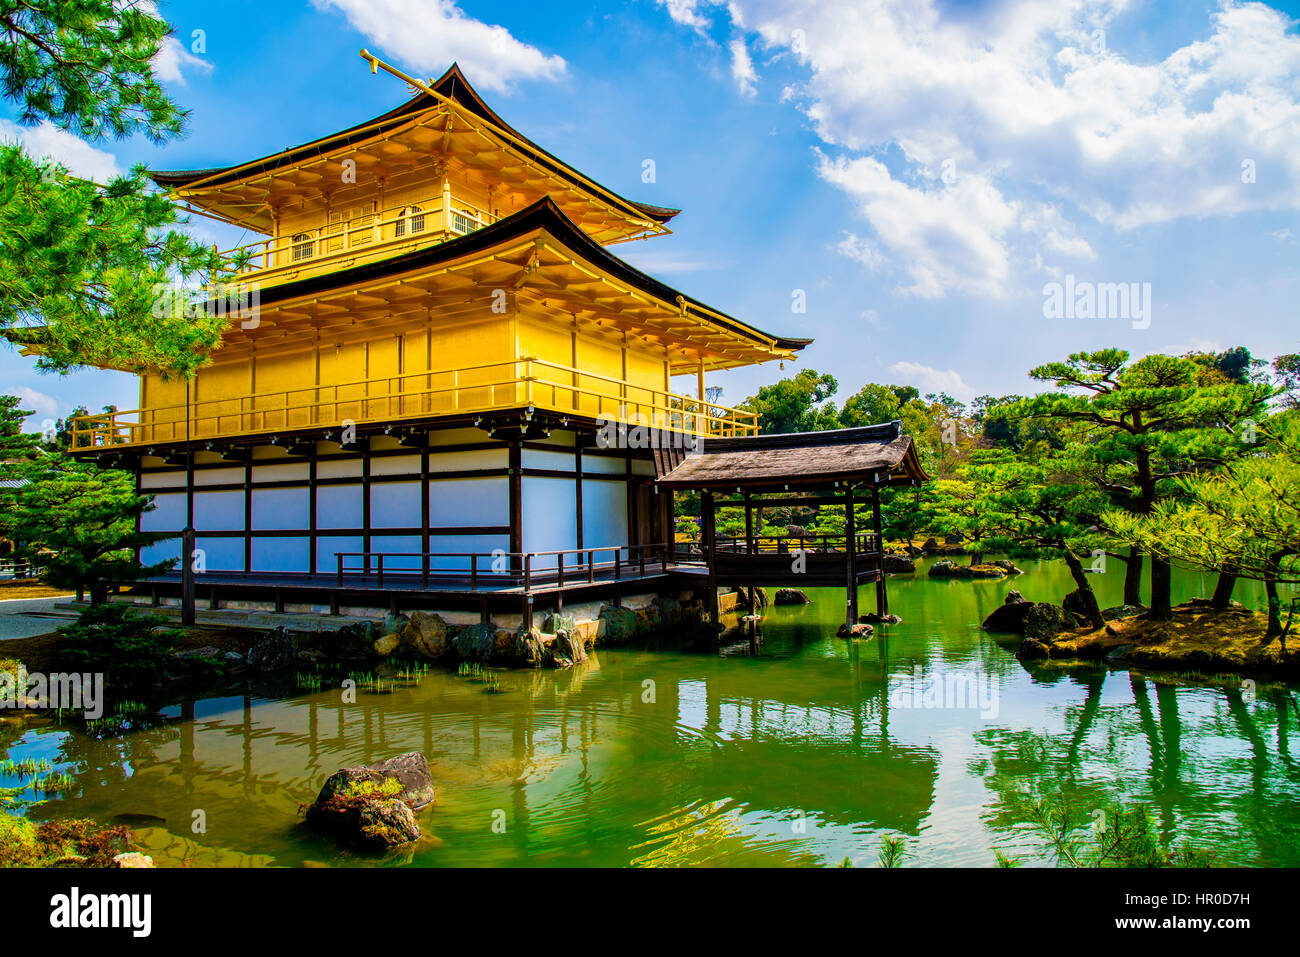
(566, 737)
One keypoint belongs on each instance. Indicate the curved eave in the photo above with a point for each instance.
(872, 455)
(542, 215)
(451, 85)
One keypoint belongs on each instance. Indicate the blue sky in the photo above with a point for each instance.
(919, 170)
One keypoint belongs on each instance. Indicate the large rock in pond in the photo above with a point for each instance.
(530, 650)
(273, 651)
(566, 650)
(899, 564)
(858, 630)
(352, 642)
(427, 636)
(760, 598)
(1044, 621)
(384, 824)
(620, 624)
(1076, 605)
(947, 569)
(372, 805)
(556, 622)
(1010, 617)
(1032, 650)
(476, 642)
(790, 596)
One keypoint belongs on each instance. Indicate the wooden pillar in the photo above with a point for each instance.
(749, 526)
(187, 576)
(708, 533)
(516, 503)
(882, 596)
(850, 558)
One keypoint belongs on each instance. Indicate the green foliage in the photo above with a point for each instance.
(794, 405)
(80, 522)
(129, 649)
(892, 850)
(1114, 837)
(1243, 520)
(79, 261)
(83, 842)
(85, 66)
(81, 267)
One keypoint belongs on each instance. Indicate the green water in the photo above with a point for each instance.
(806, 754)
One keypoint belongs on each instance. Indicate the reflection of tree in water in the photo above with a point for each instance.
(1026, 766)
(111, 760)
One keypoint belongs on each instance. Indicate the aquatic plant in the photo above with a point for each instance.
(55, 784)
(891, 851)
(26, 768)
(1118, 836)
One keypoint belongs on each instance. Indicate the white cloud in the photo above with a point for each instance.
(77, 155)
(945, 238)
(742, 68)
(1033, 103)
(43, 407)
(428, 35)
(929, 380)
(174, 59)
(687, 13)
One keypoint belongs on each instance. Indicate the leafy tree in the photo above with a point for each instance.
(80, 523)
(795, 404)
(1286, 371)
(79, 261)
(1134, 429)
(17, 448)
(1245, 519)
(129, 649)
(1032, 509)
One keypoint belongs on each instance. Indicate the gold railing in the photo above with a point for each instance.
(369, 236)
(390, 399)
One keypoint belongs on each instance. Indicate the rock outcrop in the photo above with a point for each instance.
(374, 805)
(1044, 621)
(426, 636)
(619, 624)
(948, 569)
(898, 564)
(790, 596)
(273, 651)
(1010, 617)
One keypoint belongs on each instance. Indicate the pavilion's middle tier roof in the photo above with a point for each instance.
(537, 257)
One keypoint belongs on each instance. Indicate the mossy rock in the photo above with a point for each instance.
(620, 624)
(556, 623)
(530, 651)
(476, 642)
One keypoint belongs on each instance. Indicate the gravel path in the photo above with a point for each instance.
(25, 617)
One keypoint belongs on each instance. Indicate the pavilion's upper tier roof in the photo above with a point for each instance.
(451, 126)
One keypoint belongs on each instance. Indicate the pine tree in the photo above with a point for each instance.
(82, 264)
(80, 523)
(1245, 518)
(1135, 429)
(1029, 507)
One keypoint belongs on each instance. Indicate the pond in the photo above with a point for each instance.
(805, 754)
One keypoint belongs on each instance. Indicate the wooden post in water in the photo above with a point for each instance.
(850, 558)
(710, 551)
(882, 596)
